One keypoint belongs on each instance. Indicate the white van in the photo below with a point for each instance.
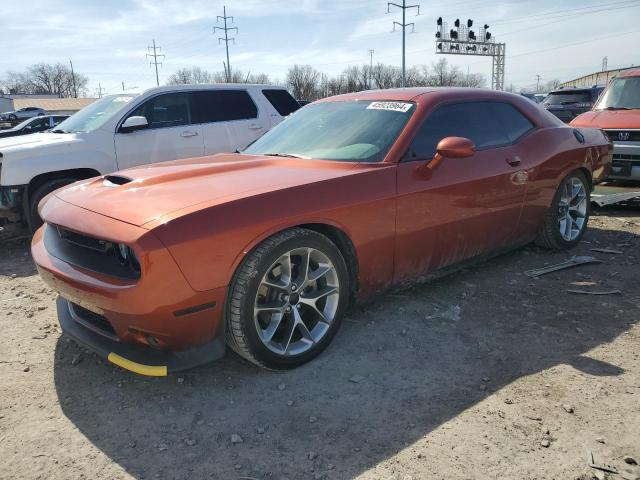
(121, 131)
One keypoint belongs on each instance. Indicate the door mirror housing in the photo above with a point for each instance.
(134, 123)
(455, 147)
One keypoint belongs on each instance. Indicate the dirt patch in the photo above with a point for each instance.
(486, 373)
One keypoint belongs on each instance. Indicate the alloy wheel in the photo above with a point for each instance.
(296, 301)
(572, 208)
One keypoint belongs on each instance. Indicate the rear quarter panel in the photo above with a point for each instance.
(549, 155)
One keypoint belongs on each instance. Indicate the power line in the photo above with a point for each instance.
(226, 38)
(99, 91)
(371, 51)
(73, 79)
(404, 7)
(155, 56)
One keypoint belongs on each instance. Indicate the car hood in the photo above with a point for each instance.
(33, 141)
(149, 193)
(609, 119)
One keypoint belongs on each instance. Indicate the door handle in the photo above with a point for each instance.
(514, 162)
(188, 133)
(255, 126)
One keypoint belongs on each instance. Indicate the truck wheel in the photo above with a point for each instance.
(287, 299)
(566, 220)
(42, 191)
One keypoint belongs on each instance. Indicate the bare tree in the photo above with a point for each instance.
(302, 81)
(44, 78)
(443, 75)
(187, 76)
(551, 85)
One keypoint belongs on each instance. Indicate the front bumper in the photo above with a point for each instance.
(136, 358)
(626, 161)
(11, 208)
(157, 320)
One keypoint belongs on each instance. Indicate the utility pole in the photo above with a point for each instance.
(73, 79)
(99, 90)
(226, 38)
(370, 68)
(537, 83)
(155, 56)
(404, 25)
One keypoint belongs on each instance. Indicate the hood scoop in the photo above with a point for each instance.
(115, 180)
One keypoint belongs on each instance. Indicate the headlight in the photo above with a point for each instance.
(127, 256)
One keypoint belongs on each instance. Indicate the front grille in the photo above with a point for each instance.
(626, 157)
(90, 253)
(101, 246)
(623, 135)
(92, 321)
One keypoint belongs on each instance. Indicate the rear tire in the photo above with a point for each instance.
(287, 299)
(42, 191)
(567, 218)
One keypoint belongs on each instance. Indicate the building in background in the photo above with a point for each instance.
(598, 78)
(51, 103)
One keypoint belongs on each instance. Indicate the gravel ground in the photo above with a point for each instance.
(486, 373)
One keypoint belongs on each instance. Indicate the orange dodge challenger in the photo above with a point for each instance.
(160, 267)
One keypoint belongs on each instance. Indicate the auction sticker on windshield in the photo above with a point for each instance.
(393, 106)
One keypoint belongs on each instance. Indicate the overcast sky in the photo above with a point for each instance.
(107, 39)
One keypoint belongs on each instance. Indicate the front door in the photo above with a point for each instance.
(464, 206)
(169, 136)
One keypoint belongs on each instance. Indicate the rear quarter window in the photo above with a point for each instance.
(281, 100)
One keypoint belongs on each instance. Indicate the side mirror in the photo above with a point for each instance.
(134, 123)
(450, 147)
(455, 147)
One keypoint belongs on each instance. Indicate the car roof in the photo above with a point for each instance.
(412, 93)
(577, 89)
(210, 86)
(630, 73)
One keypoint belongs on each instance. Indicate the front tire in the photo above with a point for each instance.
(287, 299)
(42, 191)
(567, 218)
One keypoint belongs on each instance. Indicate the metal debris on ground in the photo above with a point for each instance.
(586, 292)
(603, 466)
(607, 250)
(572, 262)
(609, 194)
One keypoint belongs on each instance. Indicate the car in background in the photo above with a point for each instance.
(530, 96)
(568, 103)
(160, 267)
(618, 114)
(122, 131)
(34, 125)
(22, 114)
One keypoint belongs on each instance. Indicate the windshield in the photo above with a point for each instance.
(566, 98)
(351, 131)
(95, 115)
(24, 124)
(622, 93)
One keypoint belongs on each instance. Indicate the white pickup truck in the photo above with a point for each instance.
(121, 131)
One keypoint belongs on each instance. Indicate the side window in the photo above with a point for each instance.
(514, 123)
(222, 106)
(473, 120)
(39, 125)
(282, 101)
(57, 120)
(164, 111)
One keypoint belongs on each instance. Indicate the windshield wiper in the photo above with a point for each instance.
(616, 108)
(58, 130)
(288, 155)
